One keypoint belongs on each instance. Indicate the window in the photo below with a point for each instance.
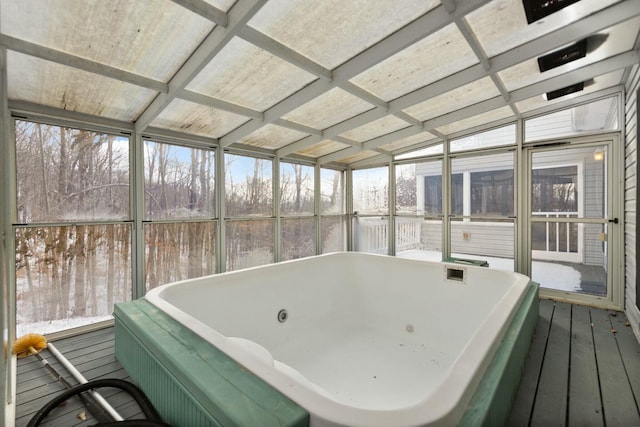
(371, 206)
(433, 195)
(297, 196)
(555, 189)
(249, 209)
(492, 138)
(70, 275)
(492, 193)
(333, 221)
(180, 229)
(600, 115)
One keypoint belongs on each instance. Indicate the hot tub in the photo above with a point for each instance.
(362, 340)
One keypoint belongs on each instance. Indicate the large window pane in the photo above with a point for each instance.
(601, 115)
(68, 276)
(492, 138)
(248, 186)
(371, 234)
(417, 238)
(406, 189)
(491, 241)
(249, 243)
(296, 189)
(371, 191)
(427, 151)
(297, 238)
(483, 186)
(333, 234)
(178, 251)
(179, 181)
(419, 195)
(66, 174)
(331, 191)
(486, 228)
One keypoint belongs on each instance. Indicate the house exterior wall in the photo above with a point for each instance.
(630, 199)
(496, 239)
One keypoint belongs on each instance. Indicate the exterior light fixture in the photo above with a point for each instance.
(563, 56)
(598, 155)
(538, 9)
(565, 91)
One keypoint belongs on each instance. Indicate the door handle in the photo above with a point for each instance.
(614, 220)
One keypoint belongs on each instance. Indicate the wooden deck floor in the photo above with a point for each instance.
(583, 370)
(93, 355)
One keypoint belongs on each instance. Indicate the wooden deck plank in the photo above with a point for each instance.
(617, 398)
(523, 403)
(629, 351)
(550, 407)
(585, 407)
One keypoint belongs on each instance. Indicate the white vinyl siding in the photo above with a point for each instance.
(630, 192)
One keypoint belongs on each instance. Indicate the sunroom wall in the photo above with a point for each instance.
(632, 87)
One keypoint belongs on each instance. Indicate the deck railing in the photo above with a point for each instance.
(554, 231)
(372, 234)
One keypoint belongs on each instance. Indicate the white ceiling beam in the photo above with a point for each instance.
(69, 60)
(297, 127)
(379, 160)
(337, 155)
(364, 95)
(219, 104)
(217, 39)
(420, 28)
(391, 137)
(67, 117)
(206, 10)
(285, 53)
(168, 135)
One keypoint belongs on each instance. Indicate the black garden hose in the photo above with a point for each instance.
(153, 418)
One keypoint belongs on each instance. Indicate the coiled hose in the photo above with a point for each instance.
(153, 418)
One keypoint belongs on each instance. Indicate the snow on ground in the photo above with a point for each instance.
(50, 326)
(548, 274)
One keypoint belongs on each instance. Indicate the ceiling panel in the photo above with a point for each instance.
(408, 141)
(362, 155)
(439, 55)
(461, 97)
(54, 85)
(328, 109)
(151, 38)
(603, 45)
(322, 148)
(246, 75)
(330, 32)
(376, 128)
(501, 25)
(272, 137)
(597, 83)
(480, 119)
(188, 117)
